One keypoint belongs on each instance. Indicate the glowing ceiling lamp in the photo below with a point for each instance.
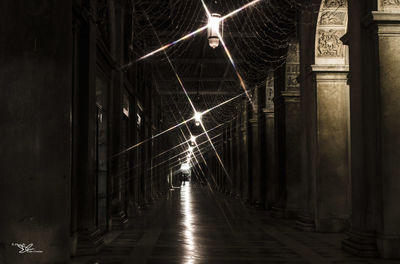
(197, 118)
(185, 167)
(214, 24)
(192, 140)
(191, 149)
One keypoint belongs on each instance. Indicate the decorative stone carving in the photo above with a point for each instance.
(332, 18)
(335, 3)
(292, 66)
(391, 3)
(291, 81)
(292, 53)
(329, 44)
(270, 93)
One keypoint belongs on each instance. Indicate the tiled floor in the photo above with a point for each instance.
(195, 226)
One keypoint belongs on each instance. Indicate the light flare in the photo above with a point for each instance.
(227, 50)
(166, 46)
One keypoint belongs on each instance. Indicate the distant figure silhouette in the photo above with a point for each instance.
(183, 178)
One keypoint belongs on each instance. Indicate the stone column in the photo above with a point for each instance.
(147, 167)
(238, 156)
(288, 133)
(36, 138)
(332, 183)
(225, 162)
(75, 133)
(271, 193)
(231, 164)
(375, 95)
(89, 237)
(326, 120)
(244, 153)
(118, 165)
(235, 159)
(218, 164)
(255, 152)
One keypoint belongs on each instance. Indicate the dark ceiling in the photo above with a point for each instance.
(256, 37)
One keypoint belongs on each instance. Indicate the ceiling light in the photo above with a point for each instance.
(214, 23)
(197, 118)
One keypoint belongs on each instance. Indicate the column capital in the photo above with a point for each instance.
(330, 72)
(334, 68)
(291, 96)
(253, 121)
(268, 111)
(388, 23)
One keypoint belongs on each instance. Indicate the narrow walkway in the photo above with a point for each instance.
(195, 226)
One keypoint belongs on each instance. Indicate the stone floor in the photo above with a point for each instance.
(195, 226)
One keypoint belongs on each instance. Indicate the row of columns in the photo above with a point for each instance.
(319, 143)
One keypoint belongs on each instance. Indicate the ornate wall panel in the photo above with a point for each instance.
(390, 5)
(331, 26)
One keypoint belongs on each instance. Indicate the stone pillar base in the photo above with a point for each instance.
(73, 243)
(331, 225)
(258, 205)
(133, 211)
(277, 212)
(292, 213)
(305, 223)
(89, 242)
(388, 247)
(360, 244)
(119, 221)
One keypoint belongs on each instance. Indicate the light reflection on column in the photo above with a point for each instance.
(190, 245)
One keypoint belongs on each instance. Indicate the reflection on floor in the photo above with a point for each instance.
(196, 226)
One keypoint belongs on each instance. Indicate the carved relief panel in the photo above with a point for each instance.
(335, 3)
(332, 18)
(331, 26)
(292, 66)
(390, 5)
(329, 44)
(269, 100)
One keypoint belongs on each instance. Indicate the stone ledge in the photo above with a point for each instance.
(360, 244)
(330, 68)
(388, 246)
(383, 17)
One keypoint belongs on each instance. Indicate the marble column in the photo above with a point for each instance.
(332, 183)
(36, 138)
(327, 125)
(235, 159)
(119, 164)
(287, 108)
(307, 20)
(89, 236)
(256, 172)
(271, 188)
(231, 163)
(375, 106)
(226, 161)
(332, 180)
(244, 152)
(237, 155)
